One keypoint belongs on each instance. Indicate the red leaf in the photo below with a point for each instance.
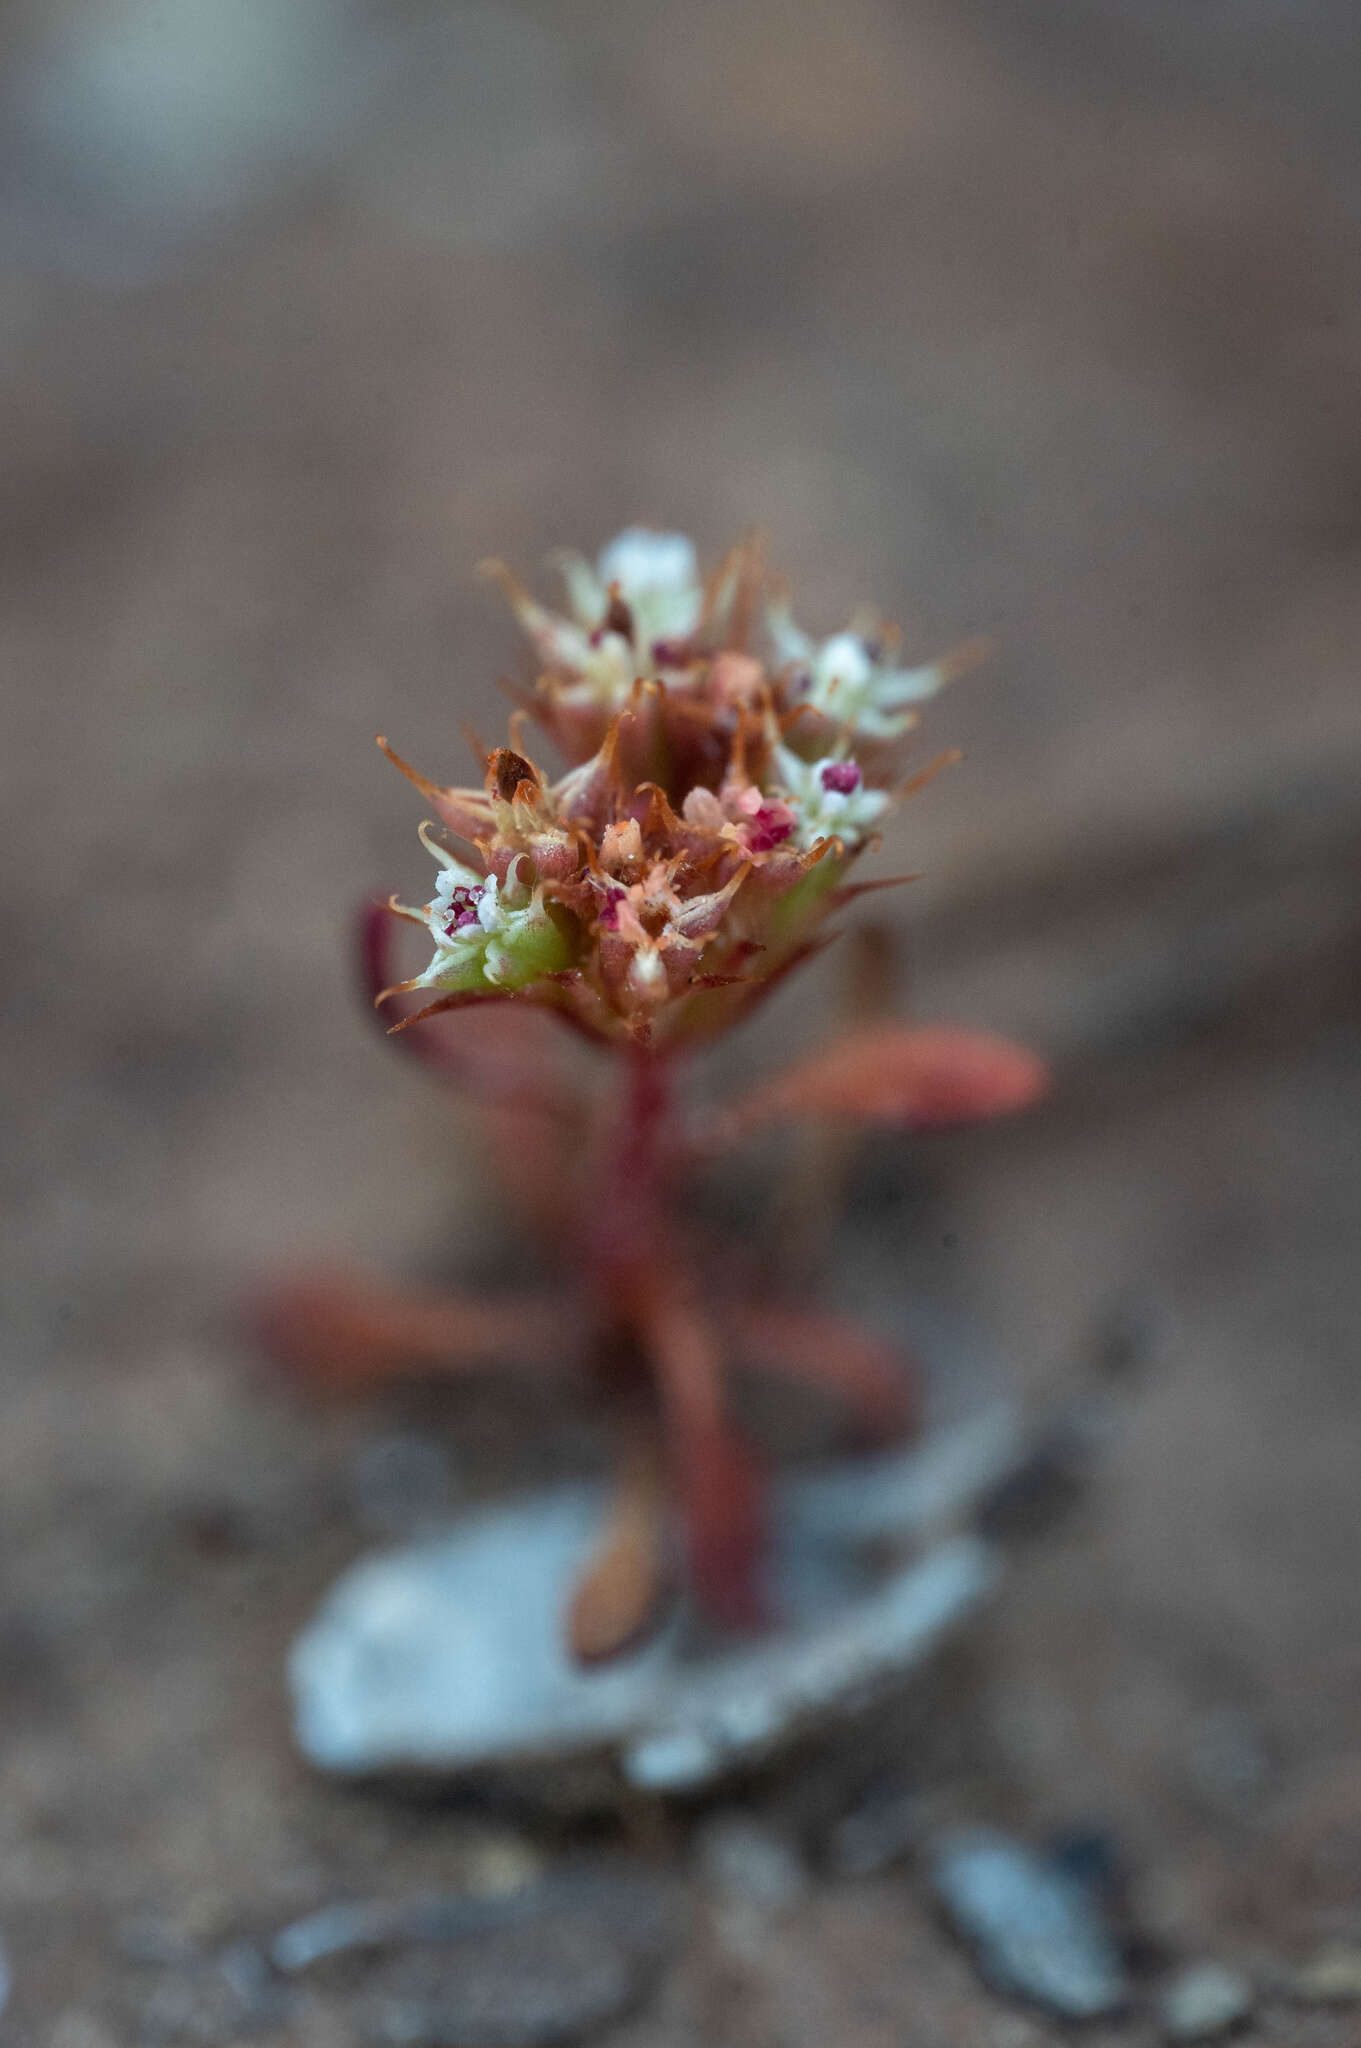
(334, 1330)
(890, 1074)
(621, 1595)
(876, 1380)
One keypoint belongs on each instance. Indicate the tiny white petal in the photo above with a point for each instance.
(640, 560)
(824, 813)
(850, 679)
(843, 660)
(909, 685)
(790, 642)
(587, 596)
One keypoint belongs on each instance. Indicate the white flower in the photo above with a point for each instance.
(488, 934)
(829, 798)
(655, 574)
(656, 577)
(851, 678)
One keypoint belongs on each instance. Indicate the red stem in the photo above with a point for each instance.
(626, 1227)
(645, 1293)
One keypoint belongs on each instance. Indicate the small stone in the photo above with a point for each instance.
(1035, 1932)
(517, 1987)
(330, 1931)
(1090, 1855)
(1332, 1977)
(556, 1964)
(750, 1864)
(1204, 2001)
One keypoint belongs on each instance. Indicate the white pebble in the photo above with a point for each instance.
(1204, 2001)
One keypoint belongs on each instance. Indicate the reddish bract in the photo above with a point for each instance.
(924, 1079)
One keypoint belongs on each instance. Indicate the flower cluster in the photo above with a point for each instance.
(723, 772)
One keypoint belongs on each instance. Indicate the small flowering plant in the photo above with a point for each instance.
(722, 775)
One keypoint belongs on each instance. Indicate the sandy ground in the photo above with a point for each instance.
(1041, 323)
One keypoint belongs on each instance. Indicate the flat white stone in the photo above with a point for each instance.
(448, 1654)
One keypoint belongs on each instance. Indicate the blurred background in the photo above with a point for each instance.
(1041, 323)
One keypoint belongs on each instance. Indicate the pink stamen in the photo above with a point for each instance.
(842, 777)
(462, 911)
(770, 827)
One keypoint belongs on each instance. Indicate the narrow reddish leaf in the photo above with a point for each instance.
(924, 777)
(330, 1330)
(851, 892)
(463, 999)
(891, 1074)
(878, 1383)
(464, 811)
(764, 986)
(621, 1594)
